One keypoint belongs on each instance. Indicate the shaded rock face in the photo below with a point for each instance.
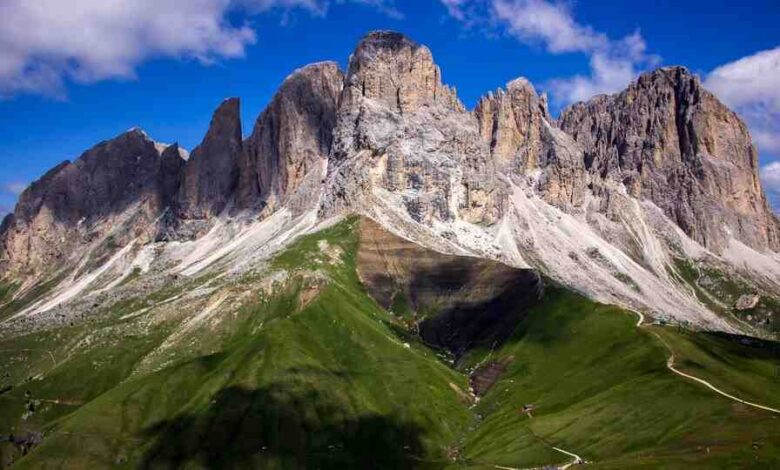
(669, 140)
(403, 133)
(77, 202)
(524, 142)
(291, 138)
(211, 173)
(459, 302)
(169, 177)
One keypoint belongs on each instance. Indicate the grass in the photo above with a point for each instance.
(745, 367)
(601, 389)
(335, 381)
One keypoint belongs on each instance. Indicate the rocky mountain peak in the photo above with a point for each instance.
(291, 138)
(76, 202)
(211, 173)
(510, 122)
(669, 140)
(390, 68)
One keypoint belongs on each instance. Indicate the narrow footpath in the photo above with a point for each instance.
(670, 365)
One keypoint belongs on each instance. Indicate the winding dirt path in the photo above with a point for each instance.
(670, 365)
(577, 459)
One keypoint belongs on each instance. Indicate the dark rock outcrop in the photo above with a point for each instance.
(169, 177)
(211, 173)
(669, 140)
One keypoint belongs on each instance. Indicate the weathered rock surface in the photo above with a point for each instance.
(524, 143)
(76, 202)
(402, 132)
(211, 173)
(668, 140)
(747, 301)
(392, 69)
(291, 139)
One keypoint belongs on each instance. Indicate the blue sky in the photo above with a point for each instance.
(72, 75)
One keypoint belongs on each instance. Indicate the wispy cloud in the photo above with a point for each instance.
(751, 85)
(552, 26)
(770, 179)
(46, 43)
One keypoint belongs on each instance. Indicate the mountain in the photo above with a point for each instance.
(377, 276)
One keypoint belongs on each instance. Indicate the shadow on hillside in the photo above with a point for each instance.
(284, 425)
(747, 346)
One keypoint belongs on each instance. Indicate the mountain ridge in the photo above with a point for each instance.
(388, 139)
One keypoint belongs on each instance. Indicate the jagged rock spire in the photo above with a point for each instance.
(291, 138)
(211, 173)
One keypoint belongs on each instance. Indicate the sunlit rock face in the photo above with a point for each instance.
(669, 140)
(400, 130)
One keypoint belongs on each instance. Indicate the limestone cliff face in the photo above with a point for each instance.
(400, 130)
(512, 122)
(75, 203)
(524, 142)
(392, 69)
(291, 138)
(211, 174)
(669, 140)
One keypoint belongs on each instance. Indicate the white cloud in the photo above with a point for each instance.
(770, 179)
(613, 63)
(751, 85)
(611, 70)
(549, 23)
(46, 43)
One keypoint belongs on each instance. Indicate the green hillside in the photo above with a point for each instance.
(311, 373)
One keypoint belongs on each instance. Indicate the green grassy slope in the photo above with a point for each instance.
(326, 385)
(601, 389)
(316, 375)
(745, 367)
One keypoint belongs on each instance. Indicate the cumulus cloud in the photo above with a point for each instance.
(551, 25)
(612, 67)
(770, 179)
(46, 43)
(42, 43)
(751, 85)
